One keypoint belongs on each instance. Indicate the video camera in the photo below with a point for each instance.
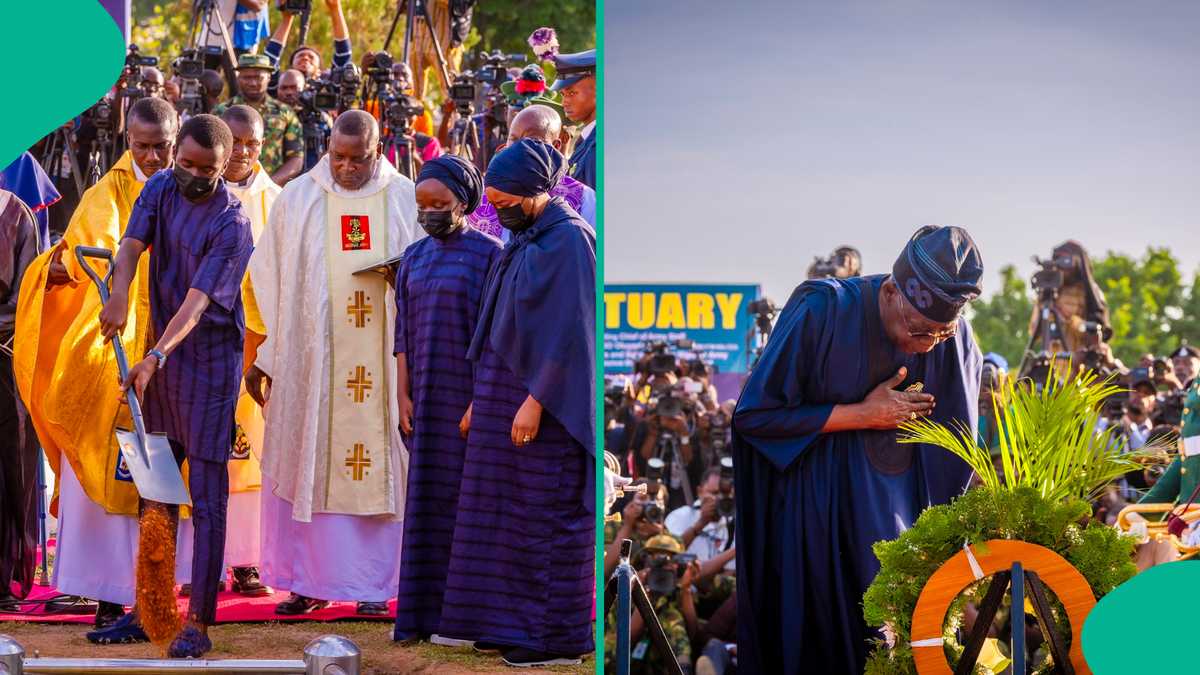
(296, 7)
(661, 361)
(463, 92)
(189, 66)
(132, 72)
(494, 65)
(1048, 279)
(380, 69)
(725, 504)
(663, 581)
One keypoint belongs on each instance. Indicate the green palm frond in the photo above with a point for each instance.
(1047, 437)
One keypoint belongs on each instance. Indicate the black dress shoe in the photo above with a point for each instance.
(527, 658)
(108, 613)
(247, 583)
(185, 591)
(373, 608)
(298, 604)
(9, 604)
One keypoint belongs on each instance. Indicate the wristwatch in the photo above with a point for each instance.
(161, 357)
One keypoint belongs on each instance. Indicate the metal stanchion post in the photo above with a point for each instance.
(623, 576)
(332, 655)
(12, 656)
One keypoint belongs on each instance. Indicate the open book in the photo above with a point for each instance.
(383, 266)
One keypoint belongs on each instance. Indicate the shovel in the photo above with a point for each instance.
(149, 457)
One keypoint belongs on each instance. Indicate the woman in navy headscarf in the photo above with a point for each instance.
(522, 564)
(438, 291)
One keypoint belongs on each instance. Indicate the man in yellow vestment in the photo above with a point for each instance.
(64, 371)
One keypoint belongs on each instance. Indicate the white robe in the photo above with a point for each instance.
(322, 555)
(96, 552)
(242, 535)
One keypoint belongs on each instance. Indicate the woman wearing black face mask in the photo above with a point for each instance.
(438, 288)
(533, 357)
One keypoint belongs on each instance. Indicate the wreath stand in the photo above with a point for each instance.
(1022, 567)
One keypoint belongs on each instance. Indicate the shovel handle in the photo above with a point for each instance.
(82, 253)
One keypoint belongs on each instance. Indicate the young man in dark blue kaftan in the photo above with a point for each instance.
(820, 475)
(438, 290)
(200, 242)
(522, 563)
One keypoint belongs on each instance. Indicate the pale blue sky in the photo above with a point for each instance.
(743, 138)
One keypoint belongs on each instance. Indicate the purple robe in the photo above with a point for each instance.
(523, 557)
(205, 246)
(438, 291)
(484, 217)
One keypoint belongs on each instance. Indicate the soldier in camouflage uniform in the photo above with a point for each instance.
(671, 609)
(283, 143)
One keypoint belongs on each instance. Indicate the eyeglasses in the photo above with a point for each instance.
(936, 337)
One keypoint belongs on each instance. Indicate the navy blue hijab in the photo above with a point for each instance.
(458, 175)
(526, 168)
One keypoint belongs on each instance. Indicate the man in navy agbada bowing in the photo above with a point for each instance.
(200, 243)
(820, 476)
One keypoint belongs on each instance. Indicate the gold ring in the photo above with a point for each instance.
(527, 438)
(912, 415)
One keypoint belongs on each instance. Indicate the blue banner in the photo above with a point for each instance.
(713, 316)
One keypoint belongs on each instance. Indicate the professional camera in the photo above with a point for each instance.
(189, 64)
(134, 62)
(346, 79)
(1048, 278)
(843, 263)
(381, 68)
(718, 429)
(463, 92)
(296, 6)
(725, 503)
(102, 115)
(762, 307)
(670, 406)
(654, 471)
(494, 68)
(400, 109)
(1170, 409)
(662, 581)
(661, 361)
(1113, 408)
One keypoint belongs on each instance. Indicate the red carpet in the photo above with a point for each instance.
(231, 608)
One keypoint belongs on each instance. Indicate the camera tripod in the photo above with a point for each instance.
(464, 136)
(400, 142)
(60, 143)
(203, 14)
(1047, 330)
(668, 446)
(414, 10)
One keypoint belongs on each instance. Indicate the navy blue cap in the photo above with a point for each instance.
(939, 272)
(571, 68)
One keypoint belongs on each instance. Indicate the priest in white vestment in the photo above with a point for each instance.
(334, 466)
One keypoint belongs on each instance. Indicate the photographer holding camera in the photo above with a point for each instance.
(668, 574)
(1076, 297)
(305, 58)
(843, 263)
(283, 149)
(706, 526)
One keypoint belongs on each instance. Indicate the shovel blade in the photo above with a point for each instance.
(153, 468)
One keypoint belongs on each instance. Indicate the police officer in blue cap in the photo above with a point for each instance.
(576, 81)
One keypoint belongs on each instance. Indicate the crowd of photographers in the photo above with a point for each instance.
(300, 96)
(666, 430)
(669, 433)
